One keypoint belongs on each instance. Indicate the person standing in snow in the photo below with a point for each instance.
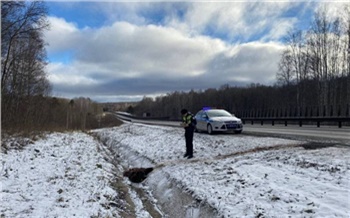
(188, 122)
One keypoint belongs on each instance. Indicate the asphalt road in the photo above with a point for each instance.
(308, 132)
(322, 134)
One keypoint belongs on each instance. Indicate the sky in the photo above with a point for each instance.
(123, 51)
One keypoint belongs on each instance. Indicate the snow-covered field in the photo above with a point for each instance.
(66, 175)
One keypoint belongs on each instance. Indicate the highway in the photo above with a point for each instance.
(308, 132)
(326, 134)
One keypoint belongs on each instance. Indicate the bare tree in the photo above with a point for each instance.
(294, 63)
(23, 60)
(345, 70)
(286, 74)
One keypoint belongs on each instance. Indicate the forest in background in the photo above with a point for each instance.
(314, 76)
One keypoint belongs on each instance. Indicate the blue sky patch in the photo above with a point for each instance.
(65, 57)
(83, 14)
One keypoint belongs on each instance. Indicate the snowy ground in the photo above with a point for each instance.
(67, 175)
(62, 175)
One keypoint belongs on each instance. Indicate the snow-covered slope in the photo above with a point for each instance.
(62, 175)
(245, 176)
(66, 175)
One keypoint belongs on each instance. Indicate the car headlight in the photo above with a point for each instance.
(239, 121)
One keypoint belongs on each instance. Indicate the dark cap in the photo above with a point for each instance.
(184, 111)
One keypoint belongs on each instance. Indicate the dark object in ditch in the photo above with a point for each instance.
(137, 175)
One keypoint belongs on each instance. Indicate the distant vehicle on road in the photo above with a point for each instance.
(217, 120)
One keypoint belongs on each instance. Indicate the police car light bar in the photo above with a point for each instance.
(206, 108)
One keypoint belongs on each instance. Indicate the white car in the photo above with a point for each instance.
(217, 120)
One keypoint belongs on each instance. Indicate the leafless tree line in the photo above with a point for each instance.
(232, 99)
(314, 76)
(25, 89)
(23, 79)
(317, 61)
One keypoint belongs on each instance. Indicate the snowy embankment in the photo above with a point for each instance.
(243, 176)
(68, 175)
(61, 175)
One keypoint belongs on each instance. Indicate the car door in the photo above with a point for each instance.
(200, 120)
(204, 121)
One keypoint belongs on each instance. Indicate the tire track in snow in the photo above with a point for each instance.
(234, 154)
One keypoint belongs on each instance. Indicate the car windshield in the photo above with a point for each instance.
(218, 113)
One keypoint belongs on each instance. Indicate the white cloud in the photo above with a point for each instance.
(280, 29)
(62, 35)
(124, 49)
(254, 62)
(237, 20)
(70, 75)
(126, 58)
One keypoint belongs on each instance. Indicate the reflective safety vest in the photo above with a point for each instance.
(188, 119)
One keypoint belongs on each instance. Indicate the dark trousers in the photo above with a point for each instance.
(189, 141)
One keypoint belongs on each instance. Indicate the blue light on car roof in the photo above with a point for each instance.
(206, 108)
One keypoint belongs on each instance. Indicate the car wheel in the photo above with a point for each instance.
(238, 131)
(210, 129)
